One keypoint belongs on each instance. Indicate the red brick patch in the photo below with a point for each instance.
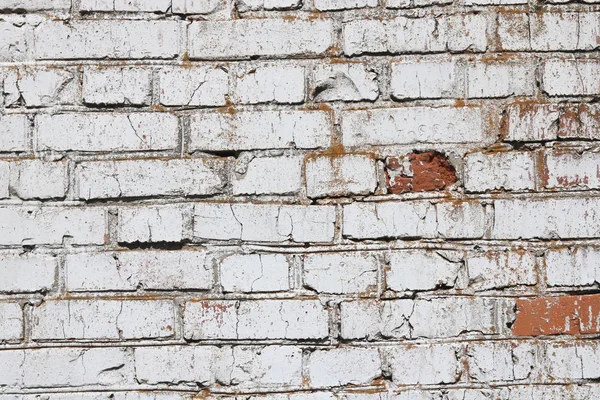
(419, 172)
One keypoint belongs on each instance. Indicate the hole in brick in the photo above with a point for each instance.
(419, 172)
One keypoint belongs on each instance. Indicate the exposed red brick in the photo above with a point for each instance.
(428, 171)
(569, 315)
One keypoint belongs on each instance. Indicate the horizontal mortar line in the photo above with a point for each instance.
(568, 339)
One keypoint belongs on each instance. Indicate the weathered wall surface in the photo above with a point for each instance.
(299, 200)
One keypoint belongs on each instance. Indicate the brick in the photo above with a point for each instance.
(340, 175)
(410, 125)
(131, 270)
(460, 220)
(253, 367)
(580, 122)
(14, 42)
(434, 318)
(572, 267)
(27, 273)
(35, 5)
(51, 225)
(106, 132)
(141, 178)
(570, 315)
(73, 367)
(264, 222)
(415, 79)
(228, 39)
(498, 270)
(126, 5)
(513, 31)
(260, 130)
(403, 35)
(117, 86)
(564, 31)
(36, 179)
(347, 82)
(152, 224)
(250, 273)
(571, 170)
(13, 132)
(114, 39)
(574, 360)
(501, 170)
(419, 172)
(194, 86)
(532, 122)
(389, 219)
(428, 364)
(500, 79)
(343, 366)
(195, 6)
(269, 175)
(417, 270)
(545, 218)
(103, 319)
(11, 322)
(341, 273)
(40, 87)
(493, 2)
(501, 361)
(270, 83)
(255, 5)
(266, 319)
(4, 180)
(571, 77)
(328, 5)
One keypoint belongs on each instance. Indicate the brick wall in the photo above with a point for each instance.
(299, 200)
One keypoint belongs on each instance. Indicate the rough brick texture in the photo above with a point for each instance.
(299, 199)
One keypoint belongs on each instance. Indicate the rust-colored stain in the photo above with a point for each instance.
(569, 315)
(427, 172)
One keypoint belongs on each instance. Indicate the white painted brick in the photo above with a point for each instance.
(271, 83)
(260, 130)
(228, 39)
(126, 5)
(201, 365)
(495, 171)
(4, 179)
(571, 77)
(26, 273)
(13, 42)
(264, 222)
(580, 122)
(106, 132)
(389, 219)
(97, 5)
(500, 361)
(497, 270)
(266, 319)
(327, 5)
(423, 364)
(103, 319)
(426, 79)
(255, 5)
(420, 270)
(572, 267)
(347, 82)
(193, 86)
(39, 87)
(35, 5)
(250, 273)
(106, 39)
(408, 125)
(13, 132)
(500, 79)
(270, 175)
(575, 360)
(36, 179)
(73, 367)
(564, 31)
(546, 218)
(127, 86)
(253, 367)
(130, 270)
(140, 178)
(195, 6)
(460, 220)
(11, 322)
(493, 2)
(51, 225)
(416, 35)
(342, 366)
(571, 170)
(348, 174)
(341, 272)
(533, 122)
(153, 224)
